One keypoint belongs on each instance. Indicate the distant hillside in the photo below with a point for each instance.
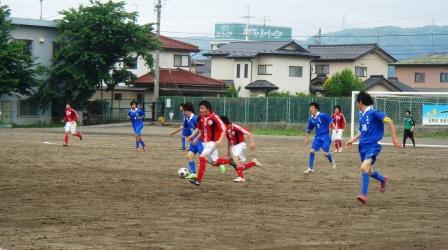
(412, 42)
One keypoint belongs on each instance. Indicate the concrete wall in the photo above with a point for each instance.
(43, 116)
(43, 51)
(376, 65)
(432, 76)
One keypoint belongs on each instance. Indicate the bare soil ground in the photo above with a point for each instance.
(101, 194)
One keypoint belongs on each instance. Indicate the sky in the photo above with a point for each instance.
(182, 18)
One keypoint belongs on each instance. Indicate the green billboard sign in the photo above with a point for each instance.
(237, 31)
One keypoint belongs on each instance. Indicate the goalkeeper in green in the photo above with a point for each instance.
(409, 125)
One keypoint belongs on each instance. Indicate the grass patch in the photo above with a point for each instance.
(274, 132)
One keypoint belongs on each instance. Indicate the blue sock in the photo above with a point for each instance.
(377, 176)
(311, 161)
(142, 143)
(183, 142)
(330, 157)
(136, 144)
(192, 166)
(365, 183)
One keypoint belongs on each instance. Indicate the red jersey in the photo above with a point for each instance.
(211, 127)
(236, 133)
(338, 120)
(70, 115)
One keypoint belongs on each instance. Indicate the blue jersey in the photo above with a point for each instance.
(322, 124)
(185, 130)
(137, 116)
(371, 126)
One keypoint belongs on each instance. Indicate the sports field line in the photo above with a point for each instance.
(87, 145)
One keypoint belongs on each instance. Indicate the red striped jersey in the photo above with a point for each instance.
(211, 127)
(70, 115)
(338, 120)
(235, 134)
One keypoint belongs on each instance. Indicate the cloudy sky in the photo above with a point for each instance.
(197, 17)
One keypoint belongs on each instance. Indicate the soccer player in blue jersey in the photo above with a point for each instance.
(196, 146)
(137, 116)
(371, 131)
(322, 139)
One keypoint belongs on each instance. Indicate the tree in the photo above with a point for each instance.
(18, 71)
(343, 83)
(94, 40)
(231, 91)
(286, 94)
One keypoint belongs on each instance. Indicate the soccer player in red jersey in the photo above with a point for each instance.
(70, 119)
(211, 130)
(237, 147)
(338, 128)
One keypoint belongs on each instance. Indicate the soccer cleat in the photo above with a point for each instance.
(239, 179)
(333, 164)
(340, 150)
(362, 198)
(257, 163)
(195, 182)
(222, 169)
(191, 176)
(383, 184)
(65, 145)
(309, 171)
(336, 150)
(80, 136)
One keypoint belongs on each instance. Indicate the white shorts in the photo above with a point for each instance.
(210, 152)
(337, 134)
(70, 127)
(239, 150)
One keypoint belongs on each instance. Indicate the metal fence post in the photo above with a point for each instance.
(267, 109)
(224, 111)
(288, 104)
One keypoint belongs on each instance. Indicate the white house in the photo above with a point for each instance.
(261, 67)
(39, 37)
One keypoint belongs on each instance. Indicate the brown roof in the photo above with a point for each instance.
(180, 77)
(169, 43)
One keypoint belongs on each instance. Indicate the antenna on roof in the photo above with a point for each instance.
(265, 20)
(41, 4)
(248, 17)
(318, 40)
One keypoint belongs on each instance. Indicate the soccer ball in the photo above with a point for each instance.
(182, 172)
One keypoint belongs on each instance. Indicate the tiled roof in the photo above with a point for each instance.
(180, 77)
(347, 52)
(252, 49)
(393, 83)
(433, 59)
(262, 84)
(169, 43)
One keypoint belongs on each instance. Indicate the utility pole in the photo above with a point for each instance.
(248, 17)
(41, 3)
(319, 37)
(157, 59)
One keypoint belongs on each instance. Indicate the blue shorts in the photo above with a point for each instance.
(196, 148)
(323, 142)
(369, 151)
(186, 132)
(138, 128)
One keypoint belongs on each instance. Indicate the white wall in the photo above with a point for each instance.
(166, 61)
(376, 65)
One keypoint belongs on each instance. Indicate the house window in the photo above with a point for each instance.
(28, 108)
(322, 69)
(117, 97)
(28, 46)
(130, 63)
(265, 69)
(55, 48)
(246, 70)
(419, 77)
(140, 98)
(444, 77)
(295, 71)
(181, 61)
(238, 70)
(361, 71)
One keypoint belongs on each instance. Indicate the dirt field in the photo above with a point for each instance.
(101, 194)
